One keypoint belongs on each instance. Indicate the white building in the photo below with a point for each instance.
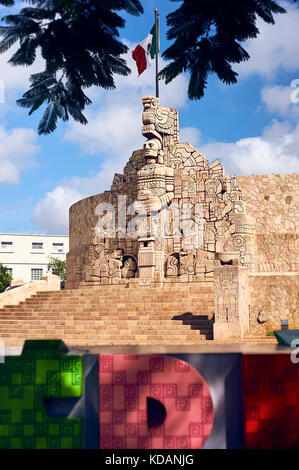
(27, 256)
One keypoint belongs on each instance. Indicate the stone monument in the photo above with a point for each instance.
(167, 184)
(172, 217)
(175, 253)
(165, 174)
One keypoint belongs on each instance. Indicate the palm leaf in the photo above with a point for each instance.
(26, 54)
(49, 120)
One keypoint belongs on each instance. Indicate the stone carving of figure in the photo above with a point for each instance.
(187, 263)
(155, 181)
(115, 265)
(227, 295)
(158, 120)
(172, 266)
(129, 269)
(216, 194)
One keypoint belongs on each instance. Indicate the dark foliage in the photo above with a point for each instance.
(78, 40)
(5, 278)
(207, 38)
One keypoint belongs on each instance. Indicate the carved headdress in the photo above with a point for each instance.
(159, 122)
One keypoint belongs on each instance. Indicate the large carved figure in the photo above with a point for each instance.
(165, 174)
(155, 181)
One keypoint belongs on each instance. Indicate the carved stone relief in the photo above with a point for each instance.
(167, 172)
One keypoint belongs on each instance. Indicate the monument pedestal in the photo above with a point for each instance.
(146, 258)
(231, 302)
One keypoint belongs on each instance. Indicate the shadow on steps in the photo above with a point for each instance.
(198, 322)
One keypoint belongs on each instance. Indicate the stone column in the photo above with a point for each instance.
(146, 258)
(231, 302)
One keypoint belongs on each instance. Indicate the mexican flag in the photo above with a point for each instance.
(145, 52)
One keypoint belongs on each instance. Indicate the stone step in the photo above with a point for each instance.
(86, 343)
(112, 315)
(111, 290)
(131, 292)
(178, 311)
(96, 315)
(111, 306)
(85, 331)
(153, 303)
(102, 323)
(158, 298)
(121, 288)
(166, 315)
(261, 339)
(92, 323)
(154, 300)
(101, 336)
(72, 320)
(116, 307)
(96, 321)
(107, 320)
(94, 339)
(144, 298)
(163, 329)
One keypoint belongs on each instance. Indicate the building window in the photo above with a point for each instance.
(6, 246)
(58, 247)
(36, 274)
(9, 270)
(37, 247)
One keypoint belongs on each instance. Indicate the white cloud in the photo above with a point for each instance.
(114, 127)
(14, 82)
(276, 151)
(51, 212)
(114, 122)
(192, 135)
(16, 151)
(18, 77)
(276, 47)
(113, 132)
(278, 100)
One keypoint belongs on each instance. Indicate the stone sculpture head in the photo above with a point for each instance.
(150, 102)
(152, 150)
(149, 117)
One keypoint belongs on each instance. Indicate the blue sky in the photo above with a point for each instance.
(252, 127)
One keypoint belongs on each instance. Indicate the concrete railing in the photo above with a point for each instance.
(25, 291)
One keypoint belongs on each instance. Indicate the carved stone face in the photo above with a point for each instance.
(118, 252)
(151, 150)
(150, 102)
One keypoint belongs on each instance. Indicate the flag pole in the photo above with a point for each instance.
(157, 51)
